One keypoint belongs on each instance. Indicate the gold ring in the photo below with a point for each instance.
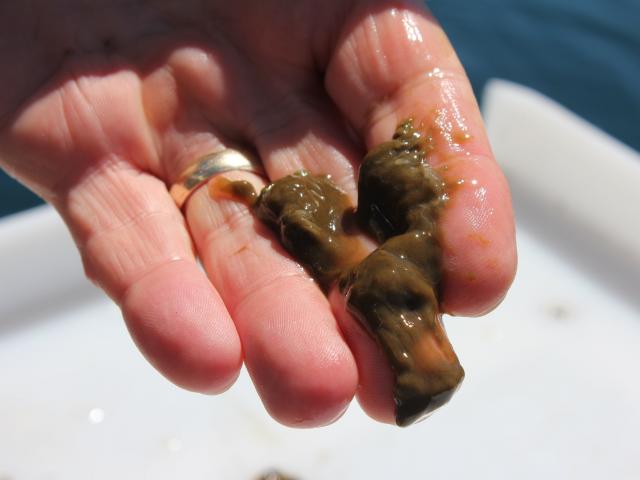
(208, 166)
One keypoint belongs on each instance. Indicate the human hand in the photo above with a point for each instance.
(105, 103)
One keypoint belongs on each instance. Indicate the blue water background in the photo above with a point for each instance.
(583, 53)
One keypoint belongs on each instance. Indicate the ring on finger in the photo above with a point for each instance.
(208, 166)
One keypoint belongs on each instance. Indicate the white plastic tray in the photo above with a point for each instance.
(552, 387)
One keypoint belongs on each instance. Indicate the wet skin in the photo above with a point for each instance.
(393, 290)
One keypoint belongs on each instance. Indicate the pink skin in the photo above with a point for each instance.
(103, 105)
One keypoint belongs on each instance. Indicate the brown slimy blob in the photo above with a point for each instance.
(460, 136)
(393, 291)
(308, 212)
(238, 190)
(397, 190)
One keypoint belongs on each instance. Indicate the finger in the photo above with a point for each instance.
(394, 63)
(132, 238)
(134, 244)
(376, 381)
(299, 135)
(284, 153)
(294, 352)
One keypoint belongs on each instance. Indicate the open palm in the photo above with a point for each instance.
(104, 104)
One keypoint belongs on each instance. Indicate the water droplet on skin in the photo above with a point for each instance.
(481, 194)
(435, 73)
(411, 28)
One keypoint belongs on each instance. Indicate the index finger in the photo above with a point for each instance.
(390, 63)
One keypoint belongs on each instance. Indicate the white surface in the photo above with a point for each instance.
(561, 158)
(552, 387)
(39, 266)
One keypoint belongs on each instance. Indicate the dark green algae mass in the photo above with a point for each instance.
(393, 291)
